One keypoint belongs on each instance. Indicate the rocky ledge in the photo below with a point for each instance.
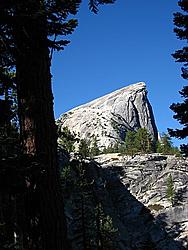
(146, 177)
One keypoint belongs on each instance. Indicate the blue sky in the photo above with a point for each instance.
(127, 42)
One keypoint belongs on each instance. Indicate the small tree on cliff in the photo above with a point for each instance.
(165, 146)
(170, 191)
(94, 150)
(143, 141)
(66, 138)
(130, 147)
(84, 148)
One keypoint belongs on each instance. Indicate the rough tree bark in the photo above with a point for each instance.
(37, 126)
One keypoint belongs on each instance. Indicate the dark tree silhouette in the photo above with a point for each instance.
(30, 31)
(26, 27)
(181, 109)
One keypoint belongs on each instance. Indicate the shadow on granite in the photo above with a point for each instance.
(137, 228)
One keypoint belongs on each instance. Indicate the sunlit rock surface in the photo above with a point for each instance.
(145, 176)
(109, 117)
(133, 192)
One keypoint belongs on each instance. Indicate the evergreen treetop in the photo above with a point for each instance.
(143, 141)
(29, 31)
(67, 139)
(130, 142)
(54, 15)
(170, 191)
(181, 109)
(84, 148)
(94, 150)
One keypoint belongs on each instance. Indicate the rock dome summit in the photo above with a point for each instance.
(109, 117)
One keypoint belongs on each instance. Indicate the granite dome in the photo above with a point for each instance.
(110, 116)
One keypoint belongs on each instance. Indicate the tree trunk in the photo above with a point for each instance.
(37, 127)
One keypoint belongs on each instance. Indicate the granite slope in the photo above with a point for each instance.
(109, 117)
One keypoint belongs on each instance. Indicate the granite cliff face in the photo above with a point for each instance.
(109, 117)
(146, 177)
(133, 192)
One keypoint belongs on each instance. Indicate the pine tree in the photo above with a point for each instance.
(27, 26)
(130, 147)
(31, 31)
(112, 148)
(79, 201)
(181, 109)
(170, 191)
(165, 146)
(67, 139)
(105, 231)
(84, 150)
(94, 150)
(143, 142)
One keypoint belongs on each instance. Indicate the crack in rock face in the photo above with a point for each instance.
(133, 192)
(110, 116)
(146, 178)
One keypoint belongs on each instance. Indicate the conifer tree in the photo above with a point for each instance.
(26, 28)
(83, 211)
(130, 142)
(30, 32)
(143, 142)
(112, 148)
(94, 150)
(181, 109)
(84, 149)
(165, 146)
(105, 231)
(170, 192)
(67, 139)
(79, 200)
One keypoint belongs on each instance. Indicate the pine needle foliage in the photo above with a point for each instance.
(181, 109)
(89, 228)
(170, 191)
